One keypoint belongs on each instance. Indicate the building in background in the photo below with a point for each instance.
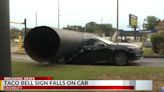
(160, 27)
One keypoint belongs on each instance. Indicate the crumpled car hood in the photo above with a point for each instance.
(127, 44)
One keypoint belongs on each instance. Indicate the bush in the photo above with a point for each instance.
(157, 42)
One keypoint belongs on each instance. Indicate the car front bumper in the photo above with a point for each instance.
(136, 55)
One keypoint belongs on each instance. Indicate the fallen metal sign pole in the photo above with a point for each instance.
(46, 44)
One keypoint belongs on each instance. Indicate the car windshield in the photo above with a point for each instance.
(104, 40)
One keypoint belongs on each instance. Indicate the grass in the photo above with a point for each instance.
(91, 72)
(149, 52)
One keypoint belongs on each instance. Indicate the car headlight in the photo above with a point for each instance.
(132, 48)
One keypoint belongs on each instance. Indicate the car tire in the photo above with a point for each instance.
(61, 61)
(120, 58)
(58, 61)
(52, 62)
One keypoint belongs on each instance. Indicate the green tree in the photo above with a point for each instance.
(158, 43)
(92, 27)
(152, 21)
(106, 28)
(27, 29)
(14, 32)
(74, 27)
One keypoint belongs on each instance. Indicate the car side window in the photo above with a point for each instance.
(97, 43)
(90, 42)
(93, 42)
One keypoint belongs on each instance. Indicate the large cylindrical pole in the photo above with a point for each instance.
(45, 44)
(5, 59)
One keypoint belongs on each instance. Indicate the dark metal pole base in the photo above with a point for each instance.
(5, 59)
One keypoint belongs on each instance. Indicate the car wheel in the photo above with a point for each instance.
(61, 61)
(120, 58)
(58, 61)
(52, 62)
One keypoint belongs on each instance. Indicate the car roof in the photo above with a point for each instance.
(99, 38)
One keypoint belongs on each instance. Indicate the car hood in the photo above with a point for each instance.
(127, 44)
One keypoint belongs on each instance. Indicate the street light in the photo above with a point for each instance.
(22, 23)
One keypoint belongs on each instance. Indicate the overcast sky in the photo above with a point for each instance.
(79, 12)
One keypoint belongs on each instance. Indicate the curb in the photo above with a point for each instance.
(19, 53)
(153, 56)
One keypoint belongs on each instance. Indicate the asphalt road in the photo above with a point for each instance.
(21, 57)
(152, 62)
(149, 62)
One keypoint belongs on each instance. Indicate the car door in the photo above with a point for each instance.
(95, 50)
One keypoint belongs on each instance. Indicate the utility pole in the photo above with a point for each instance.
(5, 57)
(117, 22)
(58, 14)
(36, 19)
(135, 38)
(101, 20)
(144, 25)
(25, 28)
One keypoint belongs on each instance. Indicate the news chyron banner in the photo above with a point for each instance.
(47, 83)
